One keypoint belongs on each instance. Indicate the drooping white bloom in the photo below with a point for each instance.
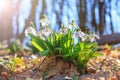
(93, 37)
(30, 30)
(68, 78)
(44, 33)
(63, 30)
(48, 32)
(75, 34)
(80, 34)
(41, 34)
(44, 22)
(71, 25)
(18, 42)
(4, 44)
(83, 36)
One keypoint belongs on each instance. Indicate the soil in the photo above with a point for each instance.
(106, 67)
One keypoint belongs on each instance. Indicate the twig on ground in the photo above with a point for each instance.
(37, 69)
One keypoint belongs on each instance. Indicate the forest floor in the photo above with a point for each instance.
(27, 66)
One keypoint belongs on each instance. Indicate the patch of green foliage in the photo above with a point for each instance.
(15, 47)
(33, 49)
(49, 43)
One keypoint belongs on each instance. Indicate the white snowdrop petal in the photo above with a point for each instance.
(30, 30)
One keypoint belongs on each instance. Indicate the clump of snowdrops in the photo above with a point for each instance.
(63, 43)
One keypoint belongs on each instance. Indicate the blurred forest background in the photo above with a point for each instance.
(100, 16)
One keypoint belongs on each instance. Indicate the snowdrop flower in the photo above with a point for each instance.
(63, 30)
(93, 37)
(48, 31)
(4, 44)
(75, 34)
(18, 42)
(68, 78)
(83, 36)
(44, 33)
(71, 25)
(80, 34)
(44, 21)
(30, 30)
(41, 34)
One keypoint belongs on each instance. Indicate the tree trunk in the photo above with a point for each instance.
(102, 17)
(6, 15)
(30, 19)
(82, 14)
